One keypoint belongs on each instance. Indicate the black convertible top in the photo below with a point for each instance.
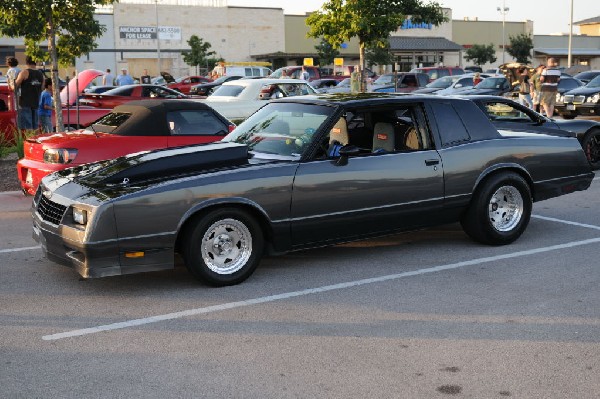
(149, 117)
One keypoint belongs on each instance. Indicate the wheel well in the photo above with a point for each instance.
(257, 215)
(518, 171)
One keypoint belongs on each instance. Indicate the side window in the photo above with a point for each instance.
(451, 127)
(443, 72)
(382, 131)
(505, 112)
(410, 81)
(423, 80)
(195, 123)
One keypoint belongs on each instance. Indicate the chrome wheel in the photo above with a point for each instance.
(505, 208)
(226, 246)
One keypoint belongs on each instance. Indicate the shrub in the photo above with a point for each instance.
(20, 137)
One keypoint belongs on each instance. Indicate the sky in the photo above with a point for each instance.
(548, 16)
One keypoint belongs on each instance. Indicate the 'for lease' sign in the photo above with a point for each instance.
(149, 32)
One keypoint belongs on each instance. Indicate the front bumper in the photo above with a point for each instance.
(30, 173)
(583, 109)
(67, 245)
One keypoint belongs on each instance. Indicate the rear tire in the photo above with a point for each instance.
(591, 147)
(499, 211)
(223, 247)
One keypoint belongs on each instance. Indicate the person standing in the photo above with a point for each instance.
(549, 78)
(476, 79)
(525, 87)
(108, 79)
(304, 75)
(45, 108)
(124, 78)
(11, 76)
(29, 82)
(536, 87)
(145, 78)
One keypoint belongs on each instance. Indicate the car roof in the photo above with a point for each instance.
(362, 99)
(149, 117)
(260, 82)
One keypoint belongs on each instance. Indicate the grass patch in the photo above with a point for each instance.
(7, 145)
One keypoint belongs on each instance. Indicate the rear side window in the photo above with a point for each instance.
(228, 91)
(195, 123)
(450, 125)
(443, 72)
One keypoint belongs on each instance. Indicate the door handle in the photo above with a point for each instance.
(431, 162)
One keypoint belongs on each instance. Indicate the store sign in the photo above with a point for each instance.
(149, 32)
(408, 24)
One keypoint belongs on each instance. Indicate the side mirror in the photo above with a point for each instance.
(345, 152)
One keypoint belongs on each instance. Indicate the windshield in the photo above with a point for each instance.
(384, 79)
(281, 130)
(441, 83)
(109, 122)
(594, 82)
(491, 83)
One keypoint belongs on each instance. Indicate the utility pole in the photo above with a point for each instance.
(569, 57)
(157, 36)
(504, 10)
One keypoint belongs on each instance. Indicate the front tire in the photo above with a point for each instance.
(223, 247)
(591, 147)
(499, 211)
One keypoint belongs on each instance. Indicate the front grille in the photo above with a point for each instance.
(574, 99)
(50, 211)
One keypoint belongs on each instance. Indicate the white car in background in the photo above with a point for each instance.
(238, 99)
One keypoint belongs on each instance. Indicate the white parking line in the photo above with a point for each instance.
(587, 226)
(4, 251)
(310, 291)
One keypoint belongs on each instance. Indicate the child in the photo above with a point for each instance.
(46, 107)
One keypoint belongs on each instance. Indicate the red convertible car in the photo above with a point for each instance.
(124, 94)
(185, 83)
(129, 128)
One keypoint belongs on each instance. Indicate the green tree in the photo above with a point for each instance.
(199, 53)
(481, 53)
(379, 55)
(520, 47)
(326, 52)
(68, 26)
(369, 20)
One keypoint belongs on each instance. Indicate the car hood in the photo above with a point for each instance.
(470, 92)
(135, 172)
(426, 90)
(84, 78)
(583, 91)
(66, 138)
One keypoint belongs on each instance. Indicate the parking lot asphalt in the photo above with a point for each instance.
(427, 314)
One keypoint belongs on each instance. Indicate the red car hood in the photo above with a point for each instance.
(83, 79)
(65, 138)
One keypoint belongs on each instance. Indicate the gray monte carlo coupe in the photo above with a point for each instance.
(303, 172)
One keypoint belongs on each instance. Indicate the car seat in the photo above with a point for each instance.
(338, 137)
(384, 138)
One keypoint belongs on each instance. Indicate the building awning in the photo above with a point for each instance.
(579, 52)
(411, 44)
(589, 21)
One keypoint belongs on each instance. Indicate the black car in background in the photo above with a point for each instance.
(506, 114)
(492, 86)
(587, 76)
(205, 89)
(584, 100)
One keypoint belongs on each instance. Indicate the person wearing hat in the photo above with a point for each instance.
(124, 78)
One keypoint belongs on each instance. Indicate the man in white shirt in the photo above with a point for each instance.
(108, 79)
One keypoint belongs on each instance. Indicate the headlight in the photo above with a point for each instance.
(594, 98)
(79, 216)
(559, 98)
(60, 155)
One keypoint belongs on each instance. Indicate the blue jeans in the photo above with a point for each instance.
(46, 123)
(28, 118)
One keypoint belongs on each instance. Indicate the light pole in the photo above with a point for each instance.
(157, 36)
(503, 10)
(570, 56)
